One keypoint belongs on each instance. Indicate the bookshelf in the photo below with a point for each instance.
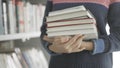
(20, 32)
(23, 36)
(20, 19)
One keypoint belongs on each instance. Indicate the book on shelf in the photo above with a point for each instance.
(5, 19)
(30, 58)
(21, 58)
(1, 20)
(19, 16)
(16, 60)
(71, 23)
(2, 61)
(35, 58)
(12, 16)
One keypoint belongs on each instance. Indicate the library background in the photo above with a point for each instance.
(20, 22)
(20, 47)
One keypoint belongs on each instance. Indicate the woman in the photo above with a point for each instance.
(76, 53)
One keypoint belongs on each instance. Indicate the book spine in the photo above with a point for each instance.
(1, 20)
(5, 18)
(20, 16)
(40, 13)
(12, 16)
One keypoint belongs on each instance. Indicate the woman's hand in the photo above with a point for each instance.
(71, 45)
(61, 44)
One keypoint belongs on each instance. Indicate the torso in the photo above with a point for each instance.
(102, 2)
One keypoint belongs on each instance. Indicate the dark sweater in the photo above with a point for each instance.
(105, 11)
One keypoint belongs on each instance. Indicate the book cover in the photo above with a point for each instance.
(71, 27)
(91, 31)
(67, 10)
(71, 22)
(82, 13)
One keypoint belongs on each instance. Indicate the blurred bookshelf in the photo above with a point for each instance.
(20, 22)
(22, 36)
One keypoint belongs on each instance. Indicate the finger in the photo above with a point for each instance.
(64, 39)
(71, 41)
(48, 39)
(57, 39)
(77, 43)
(80, 40)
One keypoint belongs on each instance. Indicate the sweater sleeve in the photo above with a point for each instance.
(43, 28)
(110, 43)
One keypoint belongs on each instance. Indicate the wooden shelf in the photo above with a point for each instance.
(23, 36)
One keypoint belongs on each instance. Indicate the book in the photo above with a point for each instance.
(3, 61)
(71, 22)
(89, 33)
(21, 58)
(67, 10)
(6, 46)
(1, 20)
(20, 16)
(35, 58)
(5, 18)
(80, 14)
(12, 16)
(16, 60)
(71, 27)
(10, 62)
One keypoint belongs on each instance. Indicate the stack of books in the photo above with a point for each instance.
(72, 21)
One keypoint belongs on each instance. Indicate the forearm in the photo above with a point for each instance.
(88, 45)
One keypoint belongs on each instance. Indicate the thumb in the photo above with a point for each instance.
(46, 38)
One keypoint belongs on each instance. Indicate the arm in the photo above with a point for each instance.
(110, 43)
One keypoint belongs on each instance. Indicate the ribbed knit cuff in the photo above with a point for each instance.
(98, 46)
